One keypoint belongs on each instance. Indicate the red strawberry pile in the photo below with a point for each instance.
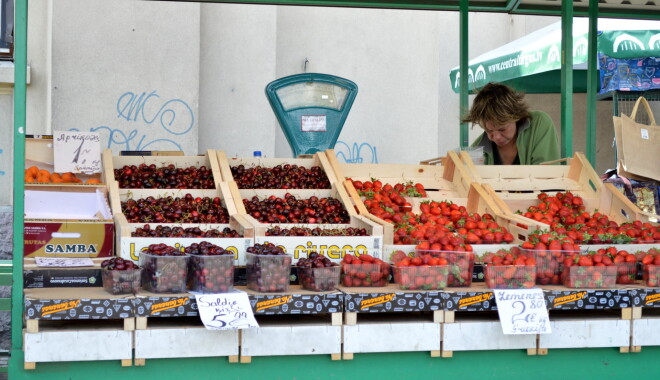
(423, 272)
(437, 221)
(589, 270)
(567, 214)
(364, 270)
(625, 262)
(509, 269)
(549, 249)
(650, 266)
(460, 264)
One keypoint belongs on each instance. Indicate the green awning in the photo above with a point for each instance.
(528, 62)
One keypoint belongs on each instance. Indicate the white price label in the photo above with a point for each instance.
(226, 311)
(77, 152)
(522, 311)
(313, 123)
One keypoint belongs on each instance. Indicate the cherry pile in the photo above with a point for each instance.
(205, 248)
(268, 268)
(285, 176)
(188, 209)
(146, 176)
(164, 269)
(188, 232)
(293, 210)
(566, 214)
(210, 268)
(120, 276)
(318, 273)
(117, 263)
(316, 231)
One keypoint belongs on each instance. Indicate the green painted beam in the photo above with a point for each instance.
(597, 363)
(567, 78)
(592, 82)
(464, 59)
(20, 79)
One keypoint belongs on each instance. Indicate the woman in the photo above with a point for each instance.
(513, 135)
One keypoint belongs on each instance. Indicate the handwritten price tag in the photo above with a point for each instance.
(64, 261)
(77, 152)
(226, 311)
(522, 311)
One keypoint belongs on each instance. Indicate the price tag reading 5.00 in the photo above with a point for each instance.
(522, 311)
(77, 152)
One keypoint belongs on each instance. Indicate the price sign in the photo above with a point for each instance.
(522, 311)
(313, 123)
(64, 261)
(77, 152)
(226, 311)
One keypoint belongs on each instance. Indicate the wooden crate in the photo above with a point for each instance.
(386, 332)
(39, 152)
(291, 335)
(516, 187)
(317, 159)
(334, 247)
(77, 324)
(184, 338)
(209, 160)
(584, 329)
(80, 341)
(447, 181)
(129, 247)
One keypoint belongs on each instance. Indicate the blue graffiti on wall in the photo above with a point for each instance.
(355, 154)
(1, 171)
(174, 116)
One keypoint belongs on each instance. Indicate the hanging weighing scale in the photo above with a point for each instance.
(311, 108)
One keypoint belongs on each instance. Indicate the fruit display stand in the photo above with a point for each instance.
(77, 324)
(389, 319)
(332, 246)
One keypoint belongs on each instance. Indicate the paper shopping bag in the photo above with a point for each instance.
(638, 144)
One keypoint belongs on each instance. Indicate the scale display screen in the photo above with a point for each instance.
(312, 94)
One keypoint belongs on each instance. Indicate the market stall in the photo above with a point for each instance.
(154, 329)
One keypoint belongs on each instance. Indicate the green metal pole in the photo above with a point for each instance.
(20, 78)
(464, 134)
(567, 78)
(592, 81)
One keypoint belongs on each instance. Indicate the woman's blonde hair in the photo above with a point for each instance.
(498, 104)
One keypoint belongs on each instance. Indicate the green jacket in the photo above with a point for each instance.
(536, 141)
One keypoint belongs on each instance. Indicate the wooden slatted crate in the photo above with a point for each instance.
(209, 159)
(516, 187)
(334, 247)
(317, 159)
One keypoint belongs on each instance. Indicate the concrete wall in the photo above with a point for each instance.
(209, 64)
(127, 69)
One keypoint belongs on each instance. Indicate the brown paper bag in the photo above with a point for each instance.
(637, 145)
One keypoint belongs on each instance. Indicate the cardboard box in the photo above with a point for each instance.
(39, 152)
(76, 303)
(390, 299)
(68, 222)
(62, 277)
